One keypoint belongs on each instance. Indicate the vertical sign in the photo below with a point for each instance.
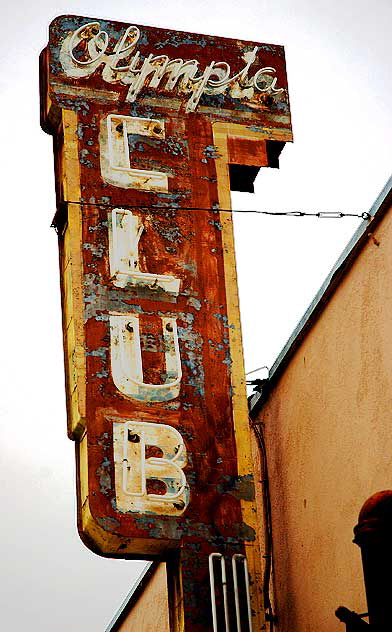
(150, 129)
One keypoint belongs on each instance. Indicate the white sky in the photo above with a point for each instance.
(338, 65)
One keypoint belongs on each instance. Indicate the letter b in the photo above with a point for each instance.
(149, 461)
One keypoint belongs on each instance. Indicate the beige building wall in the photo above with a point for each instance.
(328, 431)
(150, 613)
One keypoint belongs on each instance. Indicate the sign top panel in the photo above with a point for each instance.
(126, 65)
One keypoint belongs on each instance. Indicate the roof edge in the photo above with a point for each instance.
(132, 596)
(325, 293)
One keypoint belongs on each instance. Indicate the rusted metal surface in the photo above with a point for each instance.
(104, 62)
(155, 384)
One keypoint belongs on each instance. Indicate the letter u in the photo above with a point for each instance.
(126, 359)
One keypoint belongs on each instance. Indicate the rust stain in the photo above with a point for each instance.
(155, 395)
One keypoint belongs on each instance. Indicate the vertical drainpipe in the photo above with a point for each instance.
(373, 534)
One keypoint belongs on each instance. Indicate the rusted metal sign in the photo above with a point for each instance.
(146, 123)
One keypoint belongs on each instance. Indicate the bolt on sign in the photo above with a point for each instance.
(151, 129)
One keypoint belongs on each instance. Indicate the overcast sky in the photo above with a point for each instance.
(339, 73)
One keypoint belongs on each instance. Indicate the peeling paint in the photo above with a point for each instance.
(210, 151)
(85, 161)
(215, 223)
(194, 302)
(108, 523)
(224, 320)
(97, 250)
(241, 487)
(103, 473)
(159, 157)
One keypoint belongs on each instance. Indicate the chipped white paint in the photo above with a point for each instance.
(116, 166)
(126, 65)
(126, 359)
(125, 230)
(133, 469)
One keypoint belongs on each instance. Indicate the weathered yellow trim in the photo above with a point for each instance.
(221, 132)
(73, 280)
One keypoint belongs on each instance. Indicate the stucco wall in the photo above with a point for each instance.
(329, 440)
(150, 613)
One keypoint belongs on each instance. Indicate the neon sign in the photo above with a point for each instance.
(148, 128)
(86, 49)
